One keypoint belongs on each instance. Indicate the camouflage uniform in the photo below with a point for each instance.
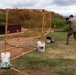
(72, 30)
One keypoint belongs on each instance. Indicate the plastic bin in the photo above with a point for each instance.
(5, 57)
(41, 46)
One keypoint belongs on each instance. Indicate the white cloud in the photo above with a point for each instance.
(52, 5)
(68, 10)
(43, 3)
(17, 3)
(64, 2)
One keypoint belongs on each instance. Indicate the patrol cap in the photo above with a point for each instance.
(71, 16)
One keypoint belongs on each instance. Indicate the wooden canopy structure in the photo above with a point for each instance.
(43, 11)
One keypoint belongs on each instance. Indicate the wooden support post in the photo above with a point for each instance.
(44, 21)
(43, 25)
(23, 9)
(50, 15)
(50, 20)
(5, 41)
(18, 71)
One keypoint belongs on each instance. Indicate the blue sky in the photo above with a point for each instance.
(63, 7)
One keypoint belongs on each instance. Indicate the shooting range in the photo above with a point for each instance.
(25, 33)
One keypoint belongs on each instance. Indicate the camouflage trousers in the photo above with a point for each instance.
(70, 32)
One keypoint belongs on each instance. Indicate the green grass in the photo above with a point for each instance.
(58, 36)
(58, 59)
(31, 31)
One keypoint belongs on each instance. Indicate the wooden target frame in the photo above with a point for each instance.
(43, 11)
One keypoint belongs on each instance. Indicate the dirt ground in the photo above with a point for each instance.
(18, 48)
(57, 50)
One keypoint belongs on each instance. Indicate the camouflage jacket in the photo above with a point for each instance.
(72, 23)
